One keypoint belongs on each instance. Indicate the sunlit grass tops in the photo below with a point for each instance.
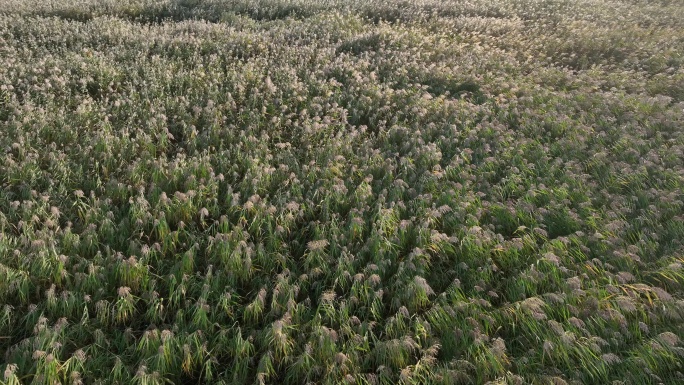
(307, 191)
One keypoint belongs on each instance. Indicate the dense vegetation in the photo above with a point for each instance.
(341, 192)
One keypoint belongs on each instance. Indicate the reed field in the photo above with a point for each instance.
(341, 192)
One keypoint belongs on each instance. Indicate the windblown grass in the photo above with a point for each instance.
(361, 192)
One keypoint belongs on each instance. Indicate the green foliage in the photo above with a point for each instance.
(341, 192)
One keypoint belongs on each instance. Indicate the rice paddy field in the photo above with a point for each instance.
(341, 192)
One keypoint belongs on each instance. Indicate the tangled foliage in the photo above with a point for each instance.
(341, 192)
